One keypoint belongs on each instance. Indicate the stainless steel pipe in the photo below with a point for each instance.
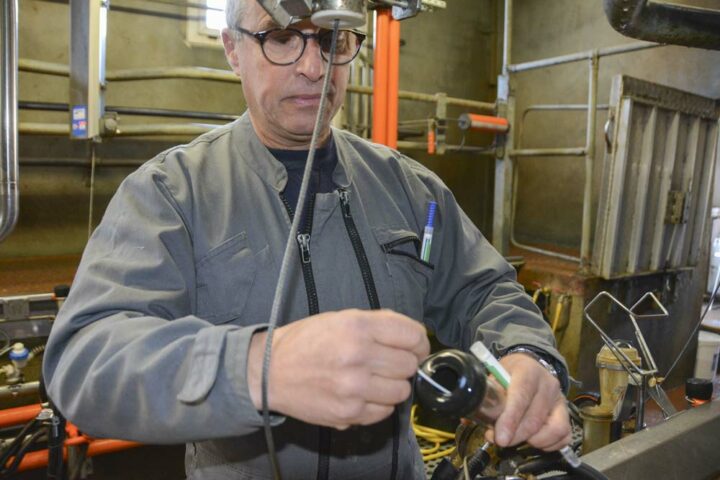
(406, 145)
(507, 36)
(577, 57)
(127, 130)
(218, 75)
(9, 192)
(589, 161)
(200, 73)
(47, 68)
(10, 392)
(549, 152)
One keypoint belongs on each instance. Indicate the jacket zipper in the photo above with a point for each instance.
(372, 299)
(303, 240)
(359, 249)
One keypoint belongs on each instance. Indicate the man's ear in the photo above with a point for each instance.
(229, 42)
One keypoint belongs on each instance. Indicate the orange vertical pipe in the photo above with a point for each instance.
(393, 83)
(380, 76)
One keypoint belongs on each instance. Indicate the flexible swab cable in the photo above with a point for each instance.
(288, 258)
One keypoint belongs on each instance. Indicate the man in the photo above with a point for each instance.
(164, 329)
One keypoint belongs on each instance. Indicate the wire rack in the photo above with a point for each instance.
(431, 465)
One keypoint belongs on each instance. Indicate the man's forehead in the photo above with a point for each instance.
(257, 18)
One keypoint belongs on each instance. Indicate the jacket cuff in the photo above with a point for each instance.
(235, 361)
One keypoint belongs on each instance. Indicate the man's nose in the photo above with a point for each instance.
(311, 63)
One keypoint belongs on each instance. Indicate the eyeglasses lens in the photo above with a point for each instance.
(283, 46)
(286, 46)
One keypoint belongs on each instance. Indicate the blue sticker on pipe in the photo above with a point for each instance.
(79, 121)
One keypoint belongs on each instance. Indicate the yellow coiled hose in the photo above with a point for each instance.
(437, 437)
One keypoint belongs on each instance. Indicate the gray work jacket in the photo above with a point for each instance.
(151, 344)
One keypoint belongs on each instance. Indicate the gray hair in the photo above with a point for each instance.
(234, 10)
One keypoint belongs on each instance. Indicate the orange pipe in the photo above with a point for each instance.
(101, 447)
(69, 442)
(483, 123)
(39, 459)
(431, 141)
(18, 415)
(393, 82)
(380, 75)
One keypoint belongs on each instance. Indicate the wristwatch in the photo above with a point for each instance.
(527, 351)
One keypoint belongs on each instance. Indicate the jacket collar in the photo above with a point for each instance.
(247, 146)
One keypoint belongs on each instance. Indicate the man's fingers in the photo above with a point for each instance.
(543, 403)
(490, 435)
(343, 368)
(384, 391)
(562, 443)
(533, 419)
(374, 413)
(395, 330)
(556, 432)
(391, 362)
(518, 401)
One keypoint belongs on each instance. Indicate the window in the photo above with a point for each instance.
(215, 16)
(205, 24)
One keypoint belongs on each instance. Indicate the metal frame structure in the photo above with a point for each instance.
(88, 31)
(577, 277)
(513, 192)
(504, 166)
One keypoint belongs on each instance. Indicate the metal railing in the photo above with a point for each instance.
(209, 74)
(592, 57)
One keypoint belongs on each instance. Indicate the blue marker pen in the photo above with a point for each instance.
(428, 233)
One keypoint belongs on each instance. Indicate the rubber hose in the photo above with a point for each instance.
(21, 453)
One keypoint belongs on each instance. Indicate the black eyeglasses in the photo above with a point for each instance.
(285, 46)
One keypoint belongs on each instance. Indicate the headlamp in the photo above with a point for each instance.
(323, 13)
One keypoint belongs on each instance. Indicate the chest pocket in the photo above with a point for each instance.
(225, 277)
(410, 275)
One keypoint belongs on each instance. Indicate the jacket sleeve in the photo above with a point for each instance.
(474, 294)
(126, 357)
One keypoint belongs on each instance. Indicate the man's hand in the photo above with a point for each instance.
(535, 410)
(340, 369)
